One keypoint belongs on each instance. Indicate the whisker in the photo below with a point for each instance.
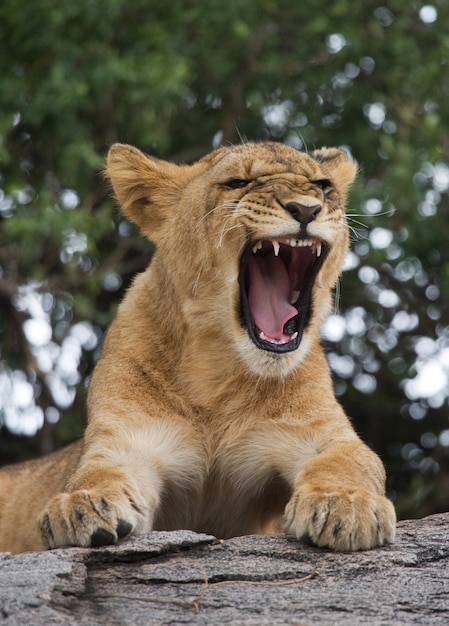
(357, 222)
(225, 231)
(196, 283)
(227, 205)
(350, 218)
(201, 281)
(368, 215)
(356, 233)
(337, 297)
(243, 138)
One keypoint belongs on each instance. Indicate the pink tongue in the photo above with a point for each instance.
(269, 293)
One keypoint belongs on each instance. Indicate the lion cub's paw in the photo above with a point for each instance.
(92, 518)
(346, 519)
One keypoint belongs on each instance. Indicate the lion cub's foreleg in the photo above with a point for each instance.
(338, 500)
(103, 505)
(117, 487)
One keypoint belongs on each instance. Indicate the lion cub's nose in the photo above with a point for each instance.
(303, 214)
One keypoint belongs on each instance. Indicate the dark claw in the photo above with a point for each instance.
(337, 528)
(123, 528)
(47, 531)
(101, 537)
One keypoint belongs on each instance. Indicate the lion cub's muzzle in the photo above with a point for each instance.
(276, 281)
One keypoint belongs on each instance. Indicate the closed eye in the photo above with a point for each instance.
(324, 184)
(235, 183)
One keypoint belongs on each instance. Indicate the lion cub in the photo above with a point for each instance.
(212, 405)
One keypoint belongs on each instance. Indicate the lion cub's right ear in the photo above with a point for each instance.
(146, 188)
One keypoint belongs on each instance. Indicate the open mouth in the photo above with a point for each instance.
(276, 281)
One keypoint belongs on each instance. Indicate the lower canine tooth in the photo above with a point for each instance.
(294, 298)
(292, 337)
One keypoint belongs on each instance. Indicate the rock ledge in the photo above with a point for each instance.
(187, 578)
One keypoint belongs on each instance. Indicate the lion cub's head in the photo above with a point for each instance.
(251, 238)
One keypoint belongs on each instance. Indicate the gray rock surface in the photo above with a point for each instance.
(186, 578)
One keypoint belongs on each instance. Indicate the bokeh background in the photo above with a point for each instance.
(177, 79)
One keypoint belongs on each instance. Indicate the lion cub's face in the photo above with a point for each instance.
(254, 238)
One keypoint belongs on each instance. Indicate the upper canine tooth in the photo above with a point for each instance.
(318, 248)
(276, 247)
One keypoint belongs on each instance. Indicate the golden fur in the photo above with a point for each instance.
(192, 422)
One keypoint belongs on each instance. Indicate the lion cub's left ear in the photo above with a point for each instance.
(146, 188)
(341, 168)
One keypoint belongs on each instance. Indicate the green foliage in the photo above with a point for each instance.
(175, 79)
